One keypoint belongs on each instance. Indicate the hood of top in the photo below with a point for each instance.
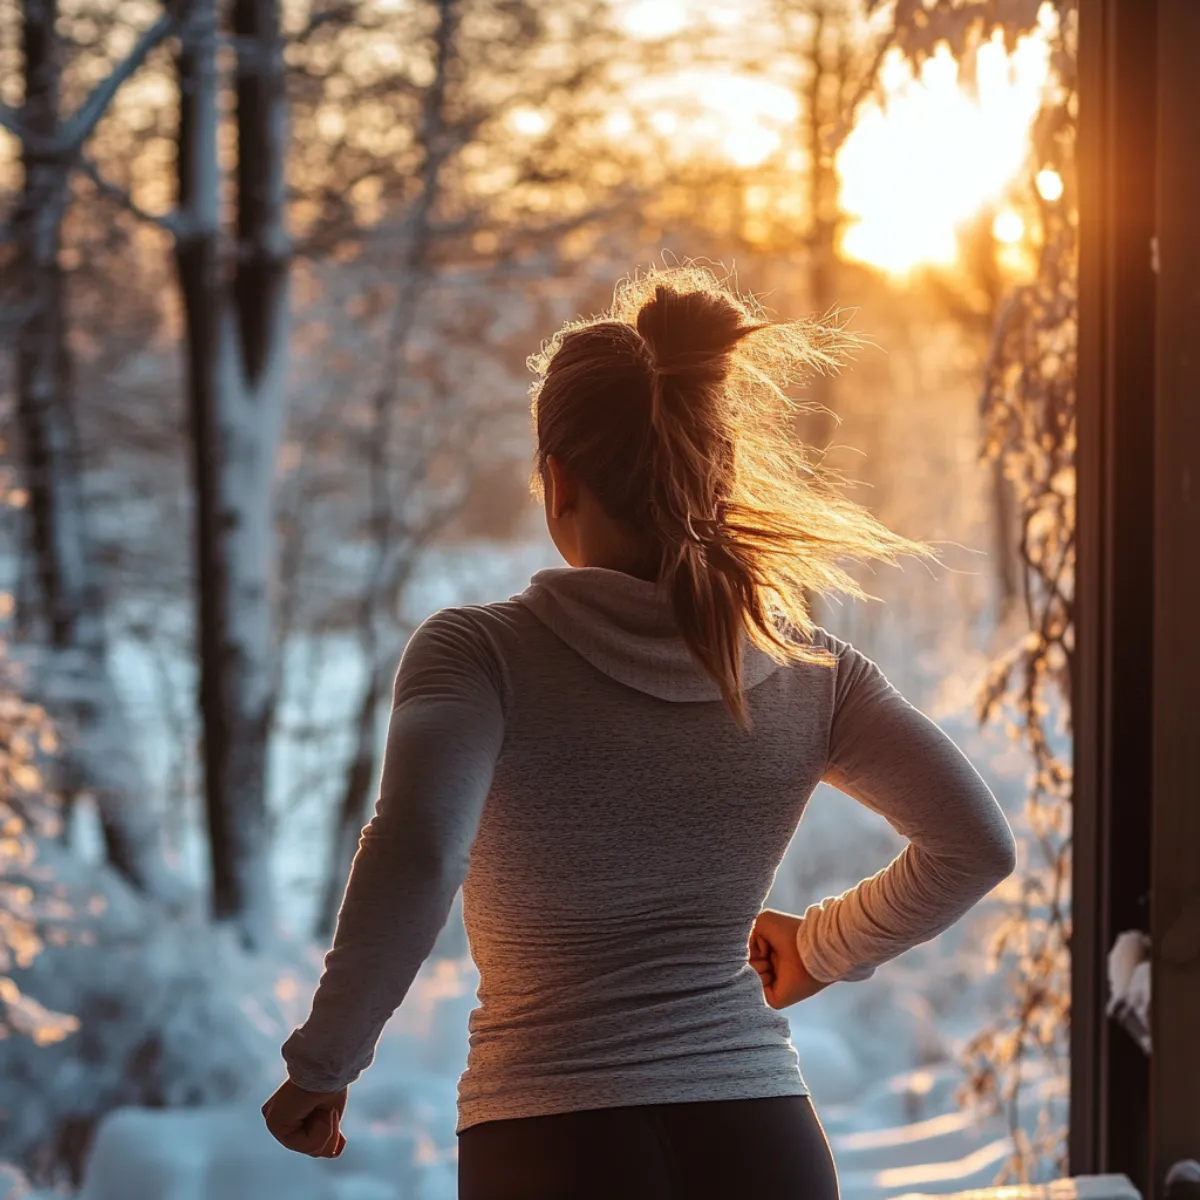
(625, 627)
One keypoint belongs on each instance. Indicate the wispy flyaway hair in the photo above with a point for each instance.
(674, 409)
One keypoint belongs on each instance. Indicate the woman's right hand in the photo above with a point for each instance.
(776, 958)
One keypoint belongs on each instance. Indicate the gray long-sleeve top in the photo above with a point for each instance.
(563, 758)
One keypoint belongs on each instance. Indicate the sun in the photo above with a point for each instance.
(935, 154)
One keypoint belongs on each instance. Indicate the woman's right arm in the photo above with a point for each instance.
(444, 738)
(889, 756)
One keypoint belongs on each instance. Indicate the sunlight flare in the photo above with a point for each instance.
(1008, 227)
(529, 121)
(651, 19)
(739, 118)
(938, 153)
(751, 146)
(1050, 184)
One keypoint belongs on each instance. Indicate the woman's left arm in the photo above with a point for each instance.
(894, 760)
(445, 735)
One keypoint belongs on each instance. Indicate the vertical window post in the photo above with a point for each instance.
(1113, 677)
(1175, 860)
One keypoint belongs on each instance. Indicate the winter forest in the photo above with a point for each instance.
(270, 274)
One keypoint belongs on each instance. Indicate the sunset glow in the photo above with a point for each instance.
(934, 156)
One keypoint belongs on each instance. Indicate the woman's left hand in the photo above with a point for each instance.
(307, 1122)
(775, 955)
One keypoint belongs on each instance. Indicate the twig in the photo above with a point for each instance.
(74, 133)
(82, 124)
(10, 119)
(338, 12)
(172, 222)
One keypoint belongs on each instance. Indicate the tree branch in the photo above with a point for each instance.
(10, 119)
(172, 222)
(83, 122)
(868, 82)
(74, 133)
(342, 12)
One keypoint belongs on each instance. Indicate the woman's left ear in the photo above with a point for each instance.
(560, 488)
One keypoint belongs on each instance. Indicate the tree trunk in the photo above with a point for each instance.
(1005, 522)
(237, 334)
(389, 570)
(819, 427)
(80, 689)
(354, 804)
(1004, 538)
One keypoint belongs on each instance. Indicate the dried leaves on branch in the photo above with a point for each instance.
(1028, 404)
(28, 912)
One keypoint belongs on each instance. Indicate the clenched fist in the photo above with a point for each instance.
(774, 955)
(307, 1122)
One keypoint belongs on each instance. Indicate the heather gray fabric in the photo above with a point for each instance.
(563, 759)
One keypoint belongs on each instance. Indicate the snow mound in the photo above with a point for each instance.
(225, 1153)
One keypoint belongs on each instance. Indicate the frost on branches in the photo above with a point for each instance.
(27, 912)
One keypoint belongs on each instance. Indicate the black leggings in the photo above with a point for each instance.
(723, 1149)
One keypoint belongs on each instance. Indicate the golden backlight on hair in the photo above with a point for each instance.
(674, 408)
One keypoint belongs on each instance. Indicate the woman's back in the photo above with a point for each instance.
(629, 839)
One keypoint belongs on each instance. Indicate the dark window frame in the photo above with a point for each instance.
(1136, 705)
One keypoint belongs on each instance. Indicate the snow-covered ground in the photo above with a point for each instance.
(879, 1056)
(894, 1131)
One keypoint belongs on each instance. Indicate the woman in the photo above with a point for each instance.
(612, 764)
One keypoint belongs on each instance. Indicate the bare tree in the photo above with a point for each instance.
(233, 288)
(447, 236)
(100, 751)
(391, 555)
(235, 300)
(974, 296)
(829, 54)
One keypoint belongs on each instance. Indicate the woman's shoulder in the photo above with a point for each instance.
(471, 638)
(833, 657)
(814, 646)
(476, 624)
(855, 673)
(821, 639)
